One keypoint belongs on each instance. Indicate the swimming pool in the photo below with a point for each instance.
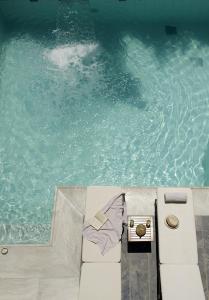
(86, 103)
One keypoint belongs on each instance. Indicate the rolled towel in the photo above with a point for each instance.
(175, 197)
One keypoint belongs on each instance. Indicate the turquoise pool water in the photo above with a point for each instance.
(83, 103)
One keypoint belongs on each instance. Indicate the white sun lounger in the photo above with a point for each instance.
(178, 257)
(100, 274)
(97, 198)
(100, 281)
(182, 282)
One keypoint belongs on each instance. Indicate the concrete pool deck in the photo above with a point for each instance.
(52, 271)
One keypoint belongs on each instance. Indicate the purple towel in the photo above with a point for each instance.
(110, 232)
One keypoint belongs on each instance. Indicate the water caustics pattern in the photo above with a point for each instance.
(86, 104)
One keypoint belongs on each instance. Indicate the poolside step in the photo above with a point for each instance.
(24, 233)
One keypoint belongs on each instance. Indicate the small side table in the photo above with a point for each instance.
(140, 233)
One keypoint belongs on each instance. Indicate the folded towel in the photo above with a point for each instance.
(106, 229)
(175, 197)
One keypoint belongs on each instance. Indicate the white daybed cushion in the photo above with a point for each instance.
(100, 281)
(177, 246)
(182, 282)
(97, 197)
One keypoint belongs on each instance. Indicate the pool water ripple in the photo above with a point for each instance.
(131, 109)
